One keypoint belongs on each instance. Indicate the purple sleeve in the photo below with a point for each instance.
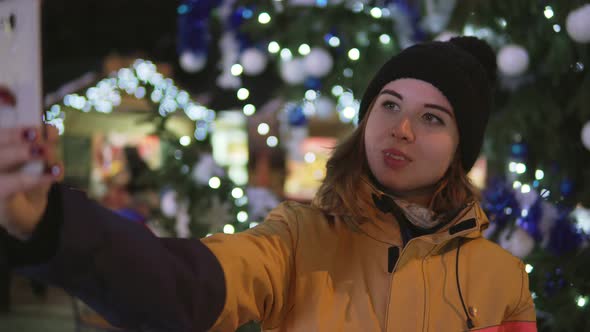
(132, 278)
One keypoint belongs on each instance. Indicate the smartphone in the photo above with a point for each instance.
(20, 65)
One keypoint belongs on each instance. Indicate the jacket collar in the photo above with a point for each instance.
(382, 225)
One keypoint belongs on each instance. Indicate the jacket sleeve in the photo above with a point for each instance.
(259, 269)
(119, 268)
(524, 309)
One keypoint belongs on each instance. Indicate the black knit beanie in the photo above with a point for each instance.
(463, 69)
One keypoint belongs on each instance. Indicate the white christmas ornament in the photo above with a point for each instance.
(292, 71)
(254, 61)
(446, 35)
(182, 223)
(513, 60)
(260, 202)
(526, 199)
(229, 56)
(586, 135)
(582, 218)
(228, 81)
(577, 24)
(318, 63)
(325, 107)
(548, 218)
(302, 3)
(191, 62)
(168, 204)
(518, 242)
(205, 169)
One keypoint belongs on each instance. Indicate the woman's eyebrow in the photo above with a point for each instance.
(393, 93)
(440, 108)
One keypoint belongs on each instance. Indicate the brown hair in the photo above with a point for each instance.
(347, 168)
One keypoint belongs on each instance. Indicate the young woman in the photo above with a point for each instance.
(392, 241)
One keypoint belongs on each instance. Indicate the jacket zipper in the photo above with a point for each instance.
(401, 254)
(389, 299)
(424, 260)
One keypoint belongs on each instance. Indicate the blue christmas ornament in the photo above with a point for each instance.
(193, 25)
(198, 9)
(235, 20)
(566, 187)
(564, 237)
(412, 10)
(519, 150)
(312, 83)
(530, 218)
(321, 3)
(499, 202)
(296, 116)
(238, 16)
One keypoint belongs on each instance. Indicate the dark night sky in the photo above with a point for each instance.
(77, 35)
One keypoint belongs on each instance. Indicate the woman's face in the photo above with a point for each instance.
(410, 138)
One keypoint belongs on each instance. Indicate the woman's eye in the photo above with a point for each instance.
(431, 118)
(390, 105)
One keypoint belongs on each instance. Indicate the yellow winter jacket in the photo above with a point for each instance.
(302, 270)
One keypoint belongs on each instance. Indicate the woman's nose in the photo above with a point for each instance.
(403, 130)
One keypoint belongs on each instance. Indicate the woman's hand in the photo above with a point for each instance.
(23, 197)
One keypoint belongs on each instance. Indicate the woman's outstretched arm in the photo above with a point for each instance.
(132, 278)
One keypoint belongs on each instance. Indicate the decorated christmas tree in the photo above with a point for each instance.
(317, 55)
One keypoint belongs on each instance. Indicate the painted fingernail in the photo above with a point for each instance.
(37, 151)
(30, 135)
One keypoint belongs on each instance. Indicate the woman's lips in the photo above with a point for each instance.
(395, 159)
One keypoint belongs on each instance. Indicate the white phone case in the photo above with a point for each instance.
(20, 65)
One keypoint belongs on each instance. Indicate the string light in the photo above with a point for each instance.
(237, 193)
(242, 216)
(243, 94)
(548, 12)
(272, 141)
(349, 113)
(263, 128)
(286, 54)
(304, 49)
(214, 182)
(229, 229)
(185, 141)
(337, 90)
(310, 95)
(274, 47)
(249, 109)
(354, 54)
(384, 39)
(528, 268)
(264, 18)
(334, 41)
(539, 174)
(376, 12)
(520, 168)
(236, 69)
(134, 81)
